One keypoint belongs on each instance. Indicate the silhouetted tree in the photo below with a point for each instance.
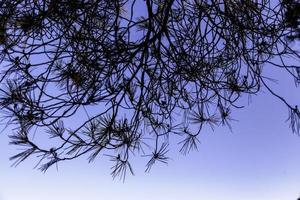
(134, 73)
(292, 18)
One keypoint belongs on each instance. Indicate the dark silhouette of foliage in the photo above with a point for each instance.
(292, 17)
(134, 73)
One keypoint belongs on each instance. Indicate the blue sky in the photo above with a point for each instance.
(259, 160)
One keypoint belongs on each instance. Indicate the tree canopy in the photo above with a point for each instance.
(121, 77)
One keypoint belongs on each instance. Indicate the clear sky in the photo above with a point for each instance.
(259, 160)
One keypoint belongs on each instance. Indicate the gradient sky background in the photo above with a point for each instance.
(258, 160)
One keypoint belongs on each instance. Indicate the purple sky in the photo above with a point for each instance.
(258, 160)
